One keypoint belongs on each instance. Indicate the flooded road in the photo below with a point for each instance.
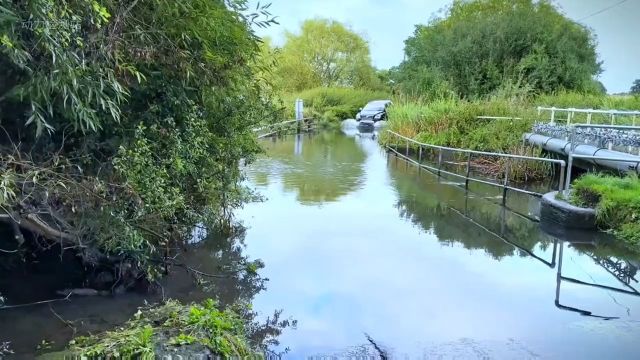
(357, 243)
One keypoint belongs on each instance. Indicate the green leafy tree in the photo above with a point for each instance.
(324, 53)
(123, 122)
(478, 46)
(635, 88)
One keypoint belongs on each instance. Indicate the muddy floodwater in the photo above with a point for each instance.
(358, 244)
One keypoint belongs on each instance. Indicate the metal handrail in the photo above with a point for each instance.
(274, 125)
(589, 111)
(505, 183)
(571, 112)
(497, 118)
(468, 151)
(283, 123)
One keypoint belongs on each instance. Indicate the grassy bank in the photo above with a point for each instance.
(332, 105)
(452, 122)
(617, 202)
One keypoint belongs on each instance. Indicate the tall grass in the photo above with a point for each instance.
(617, 203)
(455, 123)
(333, 104)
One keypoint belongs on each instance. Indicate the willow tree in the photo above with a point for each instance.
(324, 53)
(477, 47)
(123, 122)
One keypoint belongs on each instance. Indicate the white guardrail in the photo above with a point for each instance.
(571, 114)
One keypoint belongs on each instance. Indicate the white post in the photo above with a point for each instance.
(589, 118)
(553, 115)
(299, 109)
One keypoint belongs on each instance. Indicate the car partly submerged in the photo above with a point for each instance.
(374, 111)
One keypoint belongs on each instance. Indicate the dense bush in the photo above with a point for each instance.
(617, 203)
(123, 122)
(479, 47)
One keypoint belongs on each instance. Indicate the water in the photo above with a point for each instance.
(355, 242)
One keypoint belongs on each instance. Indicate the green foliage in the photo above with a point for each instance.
(325, 53)
(454, 123)
(334, 104)
(479, 46)
(173, 324)
(149, 107)
(635, 88)
(617, 202)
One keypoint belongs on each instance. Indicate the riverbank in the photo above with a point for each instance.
(617, 203)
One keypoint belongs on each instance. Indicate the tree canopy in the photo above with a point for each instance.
(123, 122)
(479, 46)
(635, 88)
(325, 53)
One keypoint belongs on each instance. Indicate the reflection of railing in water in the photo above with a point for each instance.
(614, 267)
(583, 312)
(468, 176)
(622, 270)
(501, 236)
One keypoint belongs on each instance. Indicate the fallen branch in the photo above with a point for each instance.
(34, 224)
(66, 322)
(35, 303)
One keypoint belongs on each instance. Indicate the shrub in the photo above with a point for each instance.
(617, 203)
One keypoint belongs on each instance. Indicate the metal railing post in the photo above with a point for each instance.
(553, 115)
(439, 160)
(466, 182)
(407, 150)
(563, 169)
(506, 182)
(567, 185)
(420, 154)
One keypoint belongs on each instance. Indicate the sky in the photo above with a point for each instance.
(385, 24)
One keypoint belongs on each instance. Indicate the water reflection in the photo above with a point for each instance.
(447, 211)
(320, 168)
(428, 269)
